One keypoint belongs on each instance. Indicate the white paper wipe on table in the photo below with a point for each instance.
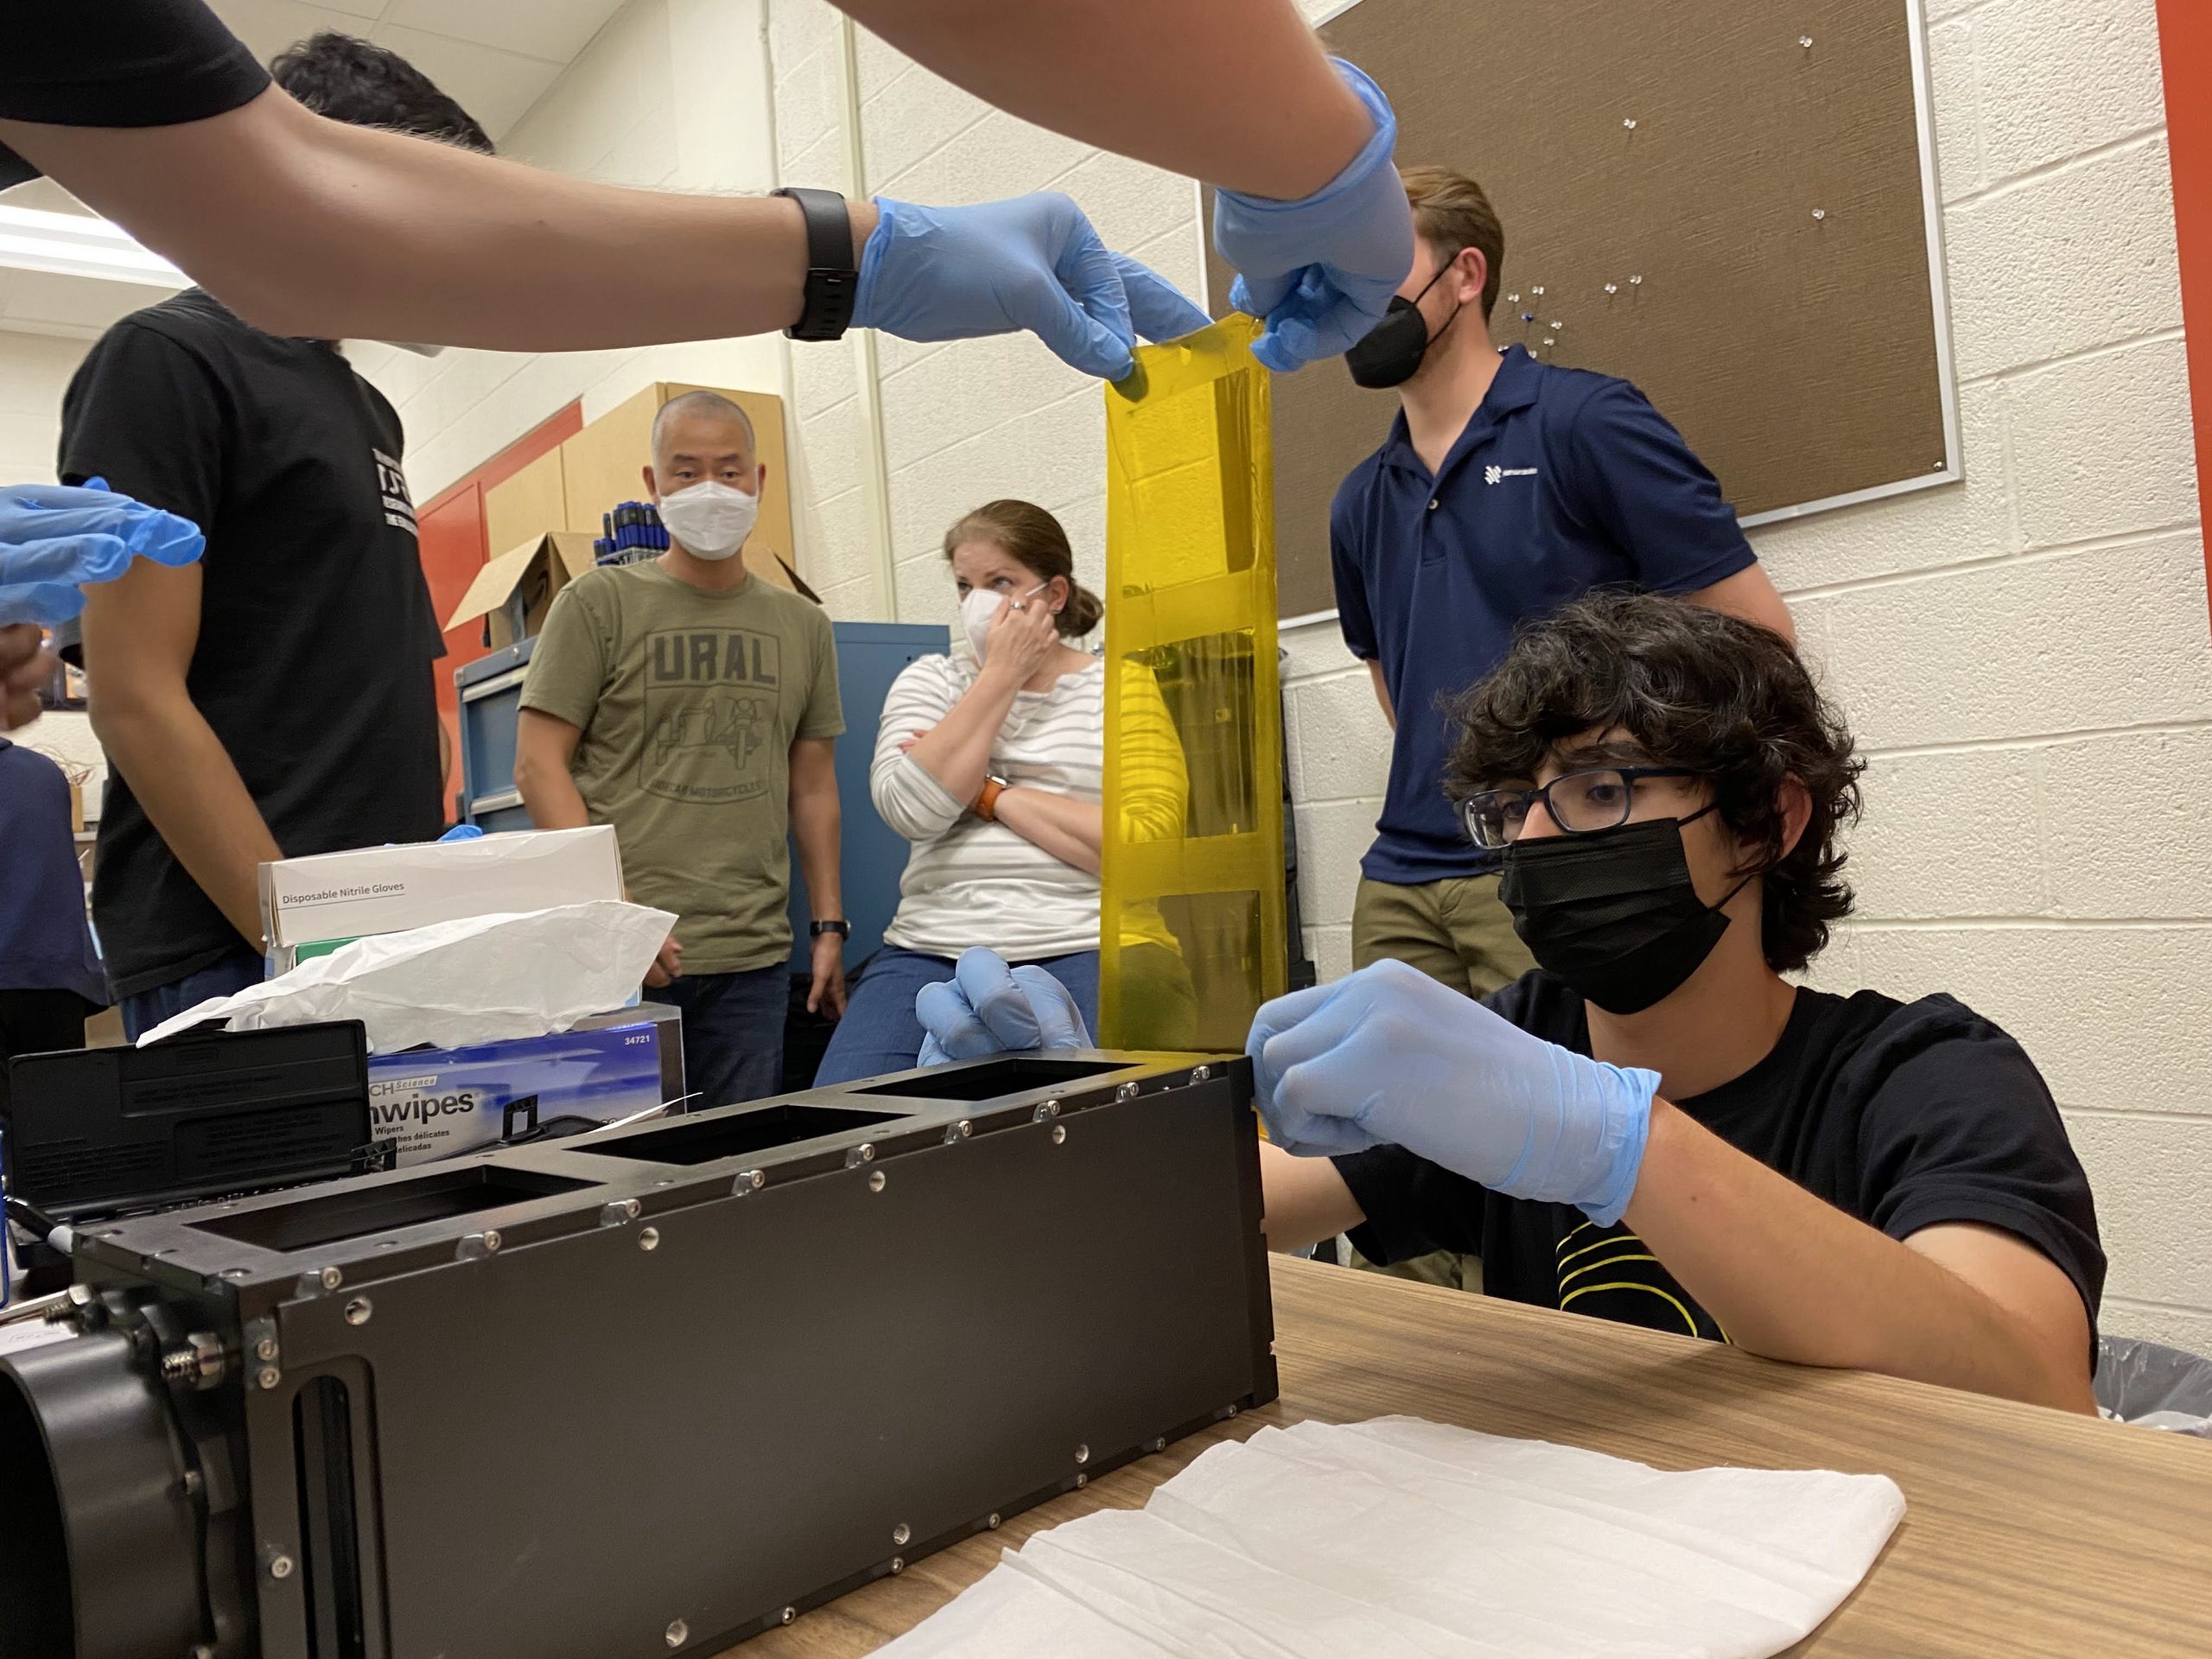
(1401, 1537)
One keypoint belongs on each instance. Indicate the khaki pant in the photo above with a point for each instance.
(1458, 932)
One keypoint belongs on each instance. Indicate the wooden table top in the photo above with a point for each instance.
(2027, 1532)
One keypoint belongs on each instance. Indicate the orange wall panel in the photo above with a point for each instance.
(2185, 43)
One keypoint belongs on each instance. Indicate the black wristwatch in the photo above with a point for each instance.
(842, 929)
(831, 277)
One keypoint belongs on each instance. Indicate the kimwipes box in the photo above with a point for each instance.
(311, 905)
(436, 1103)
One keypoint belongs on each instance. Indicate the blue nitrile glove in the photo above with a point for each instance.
(464, 832)
(1159, 308)
(986, 1007)
(1389, 1057)
(53, 539)
(1321, 272)
(1031, 263)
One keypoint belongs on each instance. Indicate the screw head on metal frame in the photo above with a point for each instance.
(358, 1311)
(902, 1535)
(1083, 1454)
(269, 1377)
(332, 1277)
(678, 1633)
(265, 1349)
(280, 1565)
(875, 1181)
(790, 1613)
(1059, 1135)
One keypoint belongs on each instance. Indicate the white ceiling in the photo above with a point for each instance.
(495, 58)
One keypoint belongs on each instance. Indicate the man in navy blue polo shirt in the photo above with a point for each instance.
(1506, 488)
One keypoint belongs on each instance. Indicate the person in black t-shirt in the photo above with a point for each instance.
(1655, 1125)
(277, 698)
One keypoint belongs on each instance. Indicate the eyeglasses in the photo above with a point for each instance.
(1580, 803)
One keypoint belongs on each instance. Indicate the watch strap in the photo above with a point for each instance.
(986, 804)
(842, 928)
(832, 280)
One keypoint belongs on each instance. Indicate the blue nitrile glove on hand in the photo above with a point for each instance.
(53, 539)
(464, 832)
(1320, 272)
(1032, 263)
(1389, 1057)
(986, 1007)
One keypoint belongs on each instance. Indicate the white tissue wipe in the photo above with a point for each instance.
(480, 980)
(1401, 1537)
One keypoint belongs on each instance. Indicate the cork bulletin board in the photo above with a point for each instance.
(1693, 197)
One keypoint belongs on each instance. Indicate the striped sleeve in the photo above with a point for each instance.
(1155, 782)
(906, 797)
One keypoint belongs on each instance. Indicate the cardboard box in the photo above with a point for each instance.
(514, 591)
(436, 1103)
(333, 897)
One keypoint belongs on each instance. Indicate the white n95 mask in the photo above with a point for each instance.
(980, 608)
(710, 519)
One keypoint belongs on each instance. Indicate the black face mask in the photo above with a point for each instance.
(1613, 912)
(1391, 352)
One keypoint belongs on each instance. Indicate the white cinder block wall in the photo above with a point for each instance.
(2026, 658)
(671, 94)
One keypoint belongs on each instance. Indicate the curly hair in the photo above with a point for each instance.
(1721, 697)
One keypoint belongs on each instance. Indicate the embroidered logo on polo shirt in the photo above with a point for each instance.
(1494, 474)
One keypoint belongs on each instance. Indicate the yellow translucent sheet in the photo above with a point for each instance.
(1192, 935)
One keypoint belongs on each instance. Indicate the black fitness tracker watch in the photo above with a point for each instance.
(832, 280)
(843, 930)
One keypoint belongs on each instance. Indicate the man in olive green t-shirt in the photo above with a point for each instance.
(694, 707)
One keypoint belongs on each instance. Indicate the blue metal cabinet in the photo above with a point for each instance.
(491, 701)
(869, 657)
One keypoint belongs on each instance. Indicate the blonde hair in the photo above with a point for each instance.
(1451, 212)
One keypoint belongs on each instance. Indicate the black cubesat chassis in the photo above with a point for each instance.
(659, 1391)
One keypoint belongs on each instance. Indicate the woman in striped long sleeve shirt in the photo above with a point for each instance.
(990, 761)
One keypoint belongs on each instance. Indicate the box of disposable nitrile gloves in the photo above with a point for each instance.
(311, 905)
(437, 1102)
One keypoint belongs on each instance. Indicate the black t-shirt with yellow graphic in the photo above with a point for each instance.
(1903, 1115)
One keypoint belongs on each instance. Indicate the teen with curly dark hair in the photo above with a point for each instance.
(1657, 1126)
